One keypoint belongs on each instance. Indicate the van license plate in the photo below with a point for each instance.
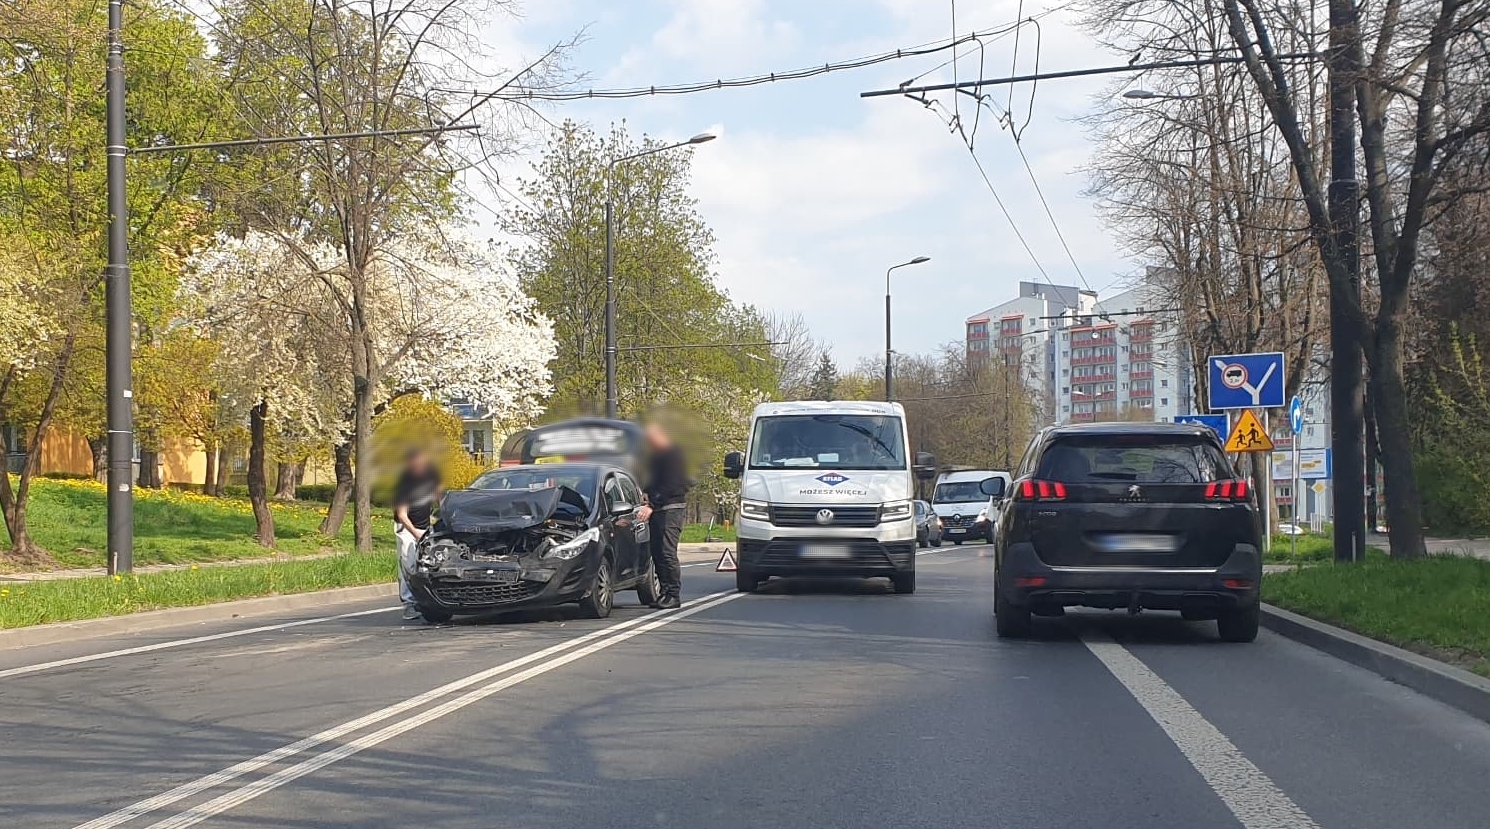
(824, 551)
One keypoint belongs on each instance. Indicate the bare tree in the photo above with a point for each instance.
(797, 355)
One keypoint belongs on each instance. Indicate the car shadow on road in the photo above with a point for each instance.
(1147, 628)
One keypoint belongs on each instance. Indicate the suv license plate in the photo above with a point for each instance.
(824, 551)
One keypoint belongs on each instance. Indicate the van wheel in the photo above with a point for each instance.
(746, 581)
(1238, 625)
(1010, 621)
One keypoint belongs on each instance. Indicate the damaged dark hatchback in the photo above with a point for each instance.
(535, 536)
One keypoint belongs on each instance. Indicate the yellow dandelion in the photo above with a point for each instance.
(118, 577)
(194, 567)
(4, 592)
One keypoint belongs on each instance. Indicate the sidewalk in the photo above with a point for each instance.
(1473, 547)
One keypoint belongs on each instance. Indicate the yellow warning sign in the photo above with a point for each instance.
(726, 562)
(1248, 435)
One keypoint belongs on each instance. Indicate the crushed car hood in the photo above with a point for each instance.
(499, 510)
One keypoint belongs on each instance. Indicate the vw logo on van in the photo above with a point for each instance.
(824, 516)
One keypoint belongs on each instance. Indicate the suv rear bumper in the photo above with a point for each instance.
(1029, 582)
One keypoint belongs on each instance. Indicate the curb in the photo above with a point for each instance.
(1445, 683)
(60, 632)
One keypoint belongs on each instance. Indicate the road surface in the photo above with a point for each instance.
(833, 704)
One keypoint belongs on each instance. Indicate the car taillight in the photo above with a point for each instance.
(1035, 490)
(1226, 490)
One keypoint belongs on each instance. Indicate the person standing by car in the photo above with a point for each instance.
(413, 505)
(666, 509)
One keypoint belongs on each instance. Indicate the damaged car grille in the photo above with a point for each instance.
(483, 594)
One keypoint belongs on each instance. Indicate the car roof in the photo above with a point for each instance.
(812, 407)
(1129, 428)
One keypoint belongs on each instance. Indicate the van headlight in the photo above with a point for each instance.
(895, 511)
(983, 516)
(755, 510)
(575, 546)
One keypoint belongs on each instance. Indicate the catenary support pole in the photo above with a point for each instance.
(120, 334)
(612, 402)
(1347, 413)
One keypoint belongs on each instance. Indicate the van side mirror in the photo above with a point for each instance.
(992, 487)
(925, 466)
(734, 465)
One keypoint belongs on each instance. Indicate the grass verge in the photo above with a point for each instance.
(1438, 606)
(1311, 549)
(68, 519)
(68, 600)
(695, 533)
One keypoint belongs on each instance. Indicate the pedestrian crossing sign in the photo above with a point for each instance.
(1248, 435)
(727, 562)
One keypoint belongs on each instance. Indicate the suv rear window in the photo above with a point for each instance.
(1144, 459)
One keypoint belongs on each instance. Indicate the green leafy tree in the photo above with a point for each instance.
(53, 213)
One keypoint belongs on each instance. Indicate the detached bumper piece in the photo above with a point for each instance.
(826, 556)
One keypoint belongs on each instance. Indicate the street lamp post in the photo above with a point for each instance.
(612, 400)
(889, 353)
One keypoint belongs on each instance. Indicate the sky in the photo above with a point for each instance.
(812, 192)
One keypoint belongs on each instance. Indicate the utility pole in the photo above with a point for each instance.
(612, 395)
(1347, 420)
(119, 315)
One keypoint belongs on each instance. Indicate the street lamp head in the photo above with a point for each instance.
(919, 259)
(702, 138)
(1140, 95)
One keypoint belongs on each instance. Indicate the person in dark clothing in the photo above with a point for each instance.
(667, 501)
(413, 504)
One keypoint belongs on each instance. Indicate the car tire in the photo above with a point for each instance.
(957, 543)
(598, 600)
(1239, 625)
(936, 542)
(435, 615)
(1010, 621)
(746, 581)
(649, 587)
(904, 583)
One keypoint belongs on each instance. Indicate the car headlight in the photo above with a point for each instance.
(895, 511)
(757, 510)
(575, 546)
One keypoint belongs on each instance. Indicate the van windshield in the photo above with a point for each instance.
(828, 441)
(959, 492)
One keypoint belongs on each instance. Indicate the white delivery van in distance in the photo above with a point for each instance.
(826, 490)
(967, 503)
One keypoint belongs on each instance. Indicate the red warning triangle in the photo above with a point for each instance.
(726, 562)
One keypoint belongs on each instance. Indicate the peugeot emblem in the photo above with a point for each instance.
(1134, 492)
(824, 516)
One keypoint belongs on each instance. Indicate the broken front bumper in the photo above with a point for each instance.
(474, 587)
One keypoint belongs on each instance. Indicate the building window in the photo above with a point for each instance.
(1163, 401)
(1164, 384)
(1065, 389)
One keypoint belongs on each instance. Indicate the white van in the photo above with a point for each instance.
(967, 502)
(826, 490)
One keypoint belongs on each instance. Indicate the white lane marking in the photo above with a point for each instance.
(179, 643)
(233, 772)
(237, 797)
(1250, 794)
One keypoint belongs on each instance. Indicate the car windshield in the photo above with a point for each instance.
(959, 492)
(828, 441)
(1144, 459)
(579, 479)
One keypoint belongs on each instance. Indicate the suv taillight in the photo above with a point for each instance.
(1226, 490)
(1035, 490)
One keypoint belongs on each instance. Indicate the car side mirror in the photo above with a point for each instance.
(925, 466)
(734, 465)
(992, 487)
(620, 508)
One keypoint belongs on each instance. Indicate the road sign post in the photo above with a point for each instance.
(1295, 422)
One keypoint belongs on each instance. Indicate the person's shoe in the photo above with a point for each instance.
(669, 603)
(411, 612)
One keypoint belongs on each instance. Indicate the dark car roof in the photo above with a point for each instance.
(1129, 428)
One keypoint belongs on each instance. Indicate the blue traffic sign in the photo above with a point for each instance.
(1215, 422)
(1296, 414)
(1245, 381)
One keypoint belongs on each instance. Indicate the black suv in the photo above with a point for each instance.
(1129, 515)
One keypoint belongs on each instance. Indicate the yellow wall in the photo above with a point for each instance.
(64, 450)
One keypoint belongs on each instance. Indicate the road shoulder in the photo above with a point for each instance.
(1437, 680)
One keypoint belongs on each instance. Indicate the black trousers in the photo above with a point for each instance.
(666, 527)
